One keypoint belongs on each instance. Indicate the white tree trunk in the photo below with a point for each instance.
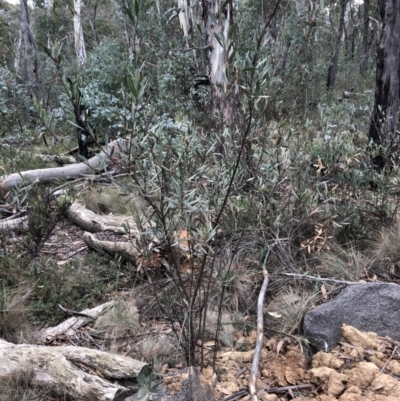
(17, 57)
(184, 19)
(78, 33)
(218, 22)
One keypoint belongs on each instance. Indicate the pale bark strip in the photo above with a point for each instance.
(94, 223)
(47, 175)
(124, 249)
(80, 49)
(18, 224)
(260, 335)
(69, 326)
(56, 368)
(218, 22)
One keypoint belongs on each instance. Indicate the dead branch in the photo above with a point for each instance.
(69, 326)
(111, 153)
(124, 249)
(94, 223)
(260, 334)
(78, 372)
(18, 224)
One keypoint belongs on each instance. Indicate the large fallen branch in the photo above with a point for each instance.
(111, 153)
(94, 223)
(79, 372)
(18, 224)
(124, 249)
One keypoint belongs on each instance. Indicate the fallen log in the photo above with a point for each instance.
(94, 223)
(124, 249)
(111, 153)
(78, 372)
(18, 224)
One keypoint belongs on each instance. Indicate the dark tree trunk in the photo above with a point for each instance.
(366, 39)
(31, 56)
(385, 116)
(336, 48)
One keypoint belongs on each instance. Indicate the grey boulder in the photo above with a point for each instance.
(367, 307)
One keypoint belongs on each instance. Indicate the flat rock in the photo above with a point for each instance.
(368, 307)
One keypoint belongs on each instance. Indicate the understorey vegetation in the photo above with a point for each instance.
(229, 164)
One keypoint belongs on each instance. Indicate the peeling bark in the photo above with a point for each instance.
(218, 22)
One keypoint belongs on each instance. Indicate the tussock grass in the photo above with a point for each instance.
(119, 323)
(386, 252)
(345, 263)
(286, 311)
(112, 199)
(14, 313)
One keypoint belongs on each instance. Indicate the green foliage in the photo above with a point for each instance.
(43, 217)
(148, 385)
(77, 285)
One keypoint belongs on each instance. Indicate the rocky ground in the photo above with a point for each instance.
(363, 367)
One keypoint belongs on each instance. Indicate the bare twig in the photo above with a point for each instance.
(278, 390)
(260, 334)
(326, 280)
(391, 357)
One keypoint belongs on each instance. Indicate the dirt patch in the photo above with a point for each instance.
(364, 367)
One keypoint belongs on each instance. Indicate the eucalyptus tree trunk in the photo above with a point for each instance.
(218, 21)
(336, 48)
(78, 33)
(31, 56)
(384, 122)
(366, 39)
(185, 18)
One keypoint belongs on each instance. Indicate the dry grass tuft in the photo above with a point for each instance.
(119, 323)
(18, 387)
(386, 252)
(343, 263)
(14, 320)
(286, 311)
(160, 349)
(228, 330)
(110, 199)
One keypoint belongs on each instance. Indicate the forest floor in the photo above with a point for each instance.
(366, 369)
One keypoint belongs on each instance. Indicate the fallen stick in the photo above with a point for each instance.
(326, 280)
(260, 334)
